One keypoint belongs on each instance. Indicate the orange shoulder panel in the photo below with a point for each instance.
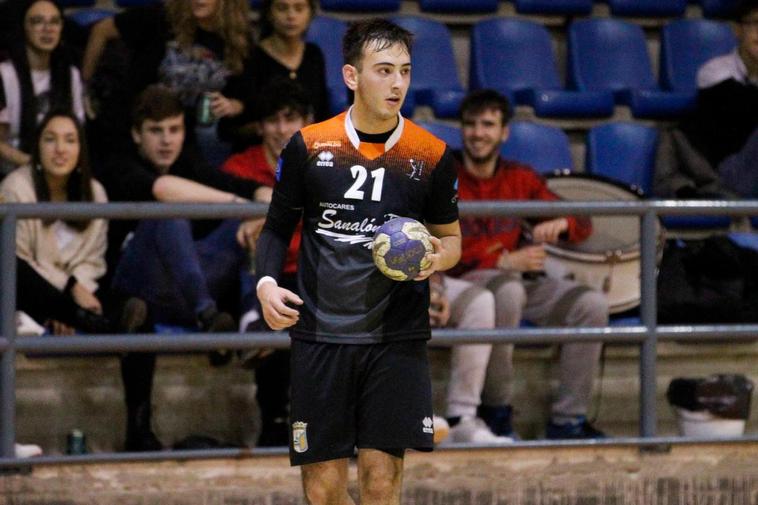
(329, 133)
(420, 143)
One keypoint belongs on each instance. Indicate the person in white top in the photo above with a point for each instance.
(59, 262)
(37, 78)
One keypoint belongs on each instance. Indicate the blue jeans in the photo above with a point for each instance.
(180, 277)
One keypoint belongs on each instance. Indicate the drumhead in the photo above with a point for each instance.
(617, 236)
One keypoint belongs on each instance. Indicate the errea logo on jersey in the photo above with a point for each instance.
(428, 425)
(325, 159)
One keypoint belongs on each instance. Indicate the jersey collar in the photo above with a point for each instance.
(353, 135)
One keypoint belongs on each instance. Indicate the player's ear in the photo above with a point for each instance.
(350, 76)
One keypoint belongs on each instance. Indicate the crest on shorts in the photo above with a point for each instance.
(299, 436)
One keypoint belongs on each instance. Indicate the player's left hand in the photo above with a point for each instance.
(435, 258)
(549, 231)
(222, 106)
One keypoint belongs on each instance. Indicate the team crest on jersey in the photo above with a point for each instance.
(299, 436)
(427, 425)
(325, 159)
(417, 167)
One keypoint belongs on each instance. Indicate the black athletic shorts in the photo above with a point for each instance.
(347, 396)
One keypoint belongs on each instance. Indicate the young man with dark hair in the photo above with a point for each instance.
(284, 109)
(360, 374)
(179, 267)
(496, 256)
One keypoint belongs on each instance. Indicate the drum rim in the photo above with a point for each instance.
(596, 257)
(562, 173)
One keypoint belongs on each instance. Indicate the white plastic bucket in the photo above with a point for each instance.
(704, 424)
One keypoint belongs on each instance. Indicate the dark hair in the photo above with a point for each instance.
(744, 9)
(266, 27)
(60, 76)
(156, 103)
(282, 94)
(79, 185)
(484, 99)
(361, 34)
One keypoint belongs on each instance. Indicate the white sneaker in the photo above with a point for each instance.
(473, 430)
(27, 450)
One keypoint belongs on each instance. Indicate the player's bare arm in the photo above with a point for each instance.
(446, 239)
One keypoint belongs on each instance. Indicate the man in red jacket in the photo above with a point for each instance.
(507, 256)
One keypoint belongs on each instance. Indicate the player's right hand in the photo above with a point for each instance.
(276, 312)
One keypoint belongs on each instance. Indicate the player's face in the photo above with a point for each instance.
(290, 18)
(747, 32)
(483, 133)
(43, 25)
(204, 10)
(59, 148)
(277, 129)
(160, 142)
(382, 79)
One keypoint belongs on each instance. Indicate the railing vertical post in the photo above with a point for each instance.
(649, 316)
(8, 326)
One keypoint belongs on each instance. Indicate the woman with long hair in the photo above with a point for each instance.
(59, 262)
(37, 78)
(283, 52)
(198, 48)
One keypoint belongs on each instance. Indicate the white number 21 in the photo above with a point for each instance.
(359, 174)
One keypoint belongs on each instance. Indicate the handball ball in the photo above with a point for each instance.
(400, 248)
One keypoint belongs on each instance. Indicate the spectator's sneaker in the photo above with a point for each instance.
(251, 358)
(143, 442)
(27, 450)
(498, 419)
(213, 321)
(579, 429)
(441, 429)
(91, 322)
(473, 430)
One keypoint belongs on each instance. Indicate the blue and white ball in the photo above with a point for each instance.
(400, 248)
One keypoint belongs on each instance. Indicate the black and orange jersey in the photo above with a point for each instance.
(345, 189)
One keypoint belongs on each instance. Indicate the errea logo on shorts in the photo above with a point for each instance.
(325, 159)
(427, 425)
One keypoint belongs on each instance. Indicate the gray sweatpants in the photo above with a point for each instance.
(482, 373)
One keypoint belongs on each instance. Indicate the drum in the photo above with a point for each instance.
(609, 259)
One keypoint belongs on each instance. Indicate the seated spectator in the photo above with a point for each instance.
(283, 52)
(284, 109)
(200, 50)
(499, 255)
(59, 263)
(37, 78)
(461, 304)
(179, 267)
(713, 152)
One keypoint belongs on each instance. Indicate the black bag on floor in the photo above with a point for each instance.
(726, 395)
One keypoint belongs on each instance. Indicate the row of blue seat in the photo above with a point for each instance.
(608, 64)
(621, 151)
(560, 7)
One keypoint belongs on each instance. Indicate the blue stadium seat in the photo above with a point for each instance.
(648, 8)
(435, 79)
(87, 17)
(718, 8)
(516, 58)
(688, 43)
(625, 152)
(611, 54)
(564, 7)
(451, 135)
(361, 5)
(545, 148)
(327, 33)
(458, 6)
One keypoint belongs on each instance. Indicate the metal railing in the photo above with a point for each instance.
(646, 335)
